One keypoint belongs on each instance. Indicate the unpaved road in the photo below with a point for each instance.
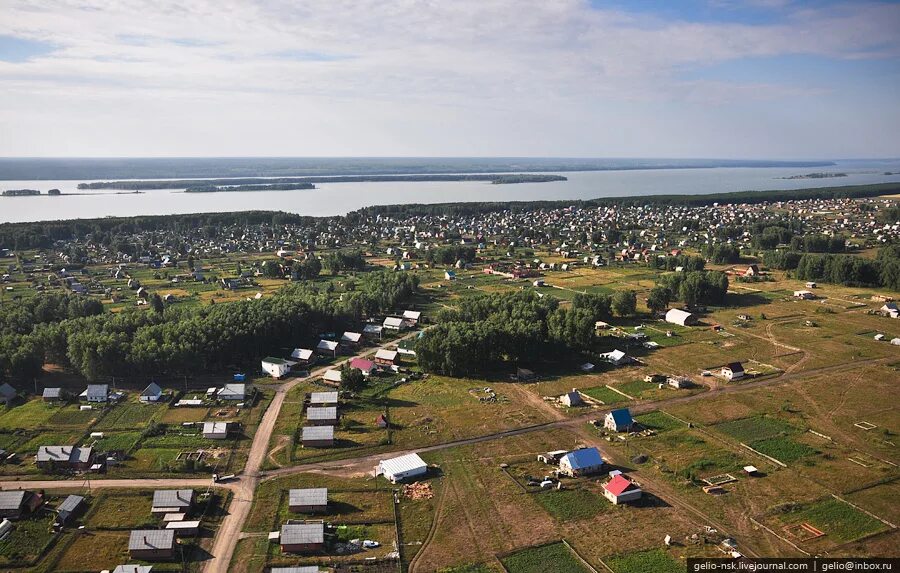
(245, 487)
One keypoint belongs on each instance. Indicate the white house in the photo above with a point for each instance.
(276, 367)
(572, 398)
(618, 420)
(237, 392)
(412, 317)
(621, 490)
(616, 357)
(96, 393)
(681, 317)
(151, 393)
(327, 347)
(402, 468)
(733, 371)
(333, 376)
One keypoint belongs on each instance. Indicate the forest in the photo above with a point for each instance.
(849, 270)
(173, 340)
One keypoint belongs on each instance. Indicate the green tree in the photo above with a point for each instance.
(658, 299)
(624, 302)
(352, 379)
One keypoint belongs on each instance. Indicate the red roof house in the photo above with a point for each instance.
(621, 490)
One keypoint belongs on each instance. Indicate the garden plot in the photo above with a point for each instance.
(552, 558)
(837, 521)
(652, 561)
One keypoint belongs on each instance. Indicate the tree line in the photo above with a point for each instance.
(849, 270)
(189, 340)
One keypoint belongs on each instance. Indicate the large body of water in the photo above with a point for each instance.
(340, 198)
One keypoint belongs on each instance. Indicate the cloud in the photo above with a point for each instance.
(476, 57)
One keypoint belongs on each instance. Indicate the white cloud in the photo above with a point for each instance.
(397, 65)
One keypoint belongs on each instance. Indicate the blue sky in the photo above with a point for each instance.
(701, 78)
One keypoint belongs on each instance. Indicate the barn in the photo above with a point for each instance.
(681, 317)
(402, 468)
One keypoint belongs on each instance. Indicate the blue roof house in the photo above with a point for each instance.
(581, 462)
(619, 420)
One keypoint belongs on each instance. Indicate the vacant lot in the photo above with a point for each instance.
(652, 561)
(604, 394)
(659, 421)
(570, 504)
(836, 519)
(553, 558)
(129, 416)
(755, 428)
(120, 510)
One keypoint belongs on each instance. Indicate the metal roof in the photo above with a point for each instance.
(332, 375)
(133, 569)
(70, 504)
(622, 417)
(351, 337)
(372, 329)
(412, 314)
(215, 427)
(584, 458)
(12, 500)
(173, 497)
(302, 353)
(52, 392)
(385, 354)
(150, 539)
(296, 569)
(392, 321)
(308, 496)
(327, 345)
(237, 390)
(294, 534)
(402, 464)
(7, 391)
(323, 398)
(318, 433)
(324, 413)
(64, 454)
(152, 389)
(619, 485)
(98, 390)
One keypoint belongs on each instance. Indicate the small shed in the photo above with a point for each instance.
(69, 508)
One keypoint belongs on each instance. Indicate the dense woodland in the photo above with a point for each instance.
(850, 270)
(181, 340)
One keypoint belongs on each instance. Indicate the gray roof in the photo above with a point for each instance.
(318, 433)
(323, 398)
(149, 539)
(233, 390)
(309, 496)
(293, 534)
(12, 500)
(152, 389)
(7, 391)
(133, 569)
(295, 569)
(173, 497)
(98, 390)
(326, 413)
(52, 392)
(69, 454)
(71, 503)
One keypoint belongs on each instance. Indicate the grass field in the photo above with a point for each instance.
(31, 414)
(571, 504)
(604, 394)
(553, 558)
(117, 441)
(120, 510)
(659, 421)
(837, 519)
(92, 551)
(783, 449)
(26, 541)
(652, 561)
(755, 428)
(128, 416)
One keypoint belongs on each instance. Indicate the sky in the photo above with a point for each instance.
(755, 79)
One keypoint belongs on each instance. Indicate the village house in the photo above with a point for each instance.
(133, 568)
(70, 507)
(804, 295)
(381, 421)
(572, 398)
(619, 420)
(317, 436)
(52, 394)
(151, 393)
(385, 357)
(350, 340)
(303, 356)
(236, 392)
(616, 358)
(733, 371)
(393, 323)
(172, 501)
(308, 500)
(302, 537)
(681, 317)
(321, 415)
(449, 275)
(679, 382)
(7, 394)
(367, 367)
(323, 399)
(581, 462)
(411, 317)
(15, 504)
(151, 544)
(621, 490)
(215, 430)
(332, 376)
(64, 457)
(98, 393)
(276, 367)
(402, 468)
(327, 348)
(372, 330)
(891, 309)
